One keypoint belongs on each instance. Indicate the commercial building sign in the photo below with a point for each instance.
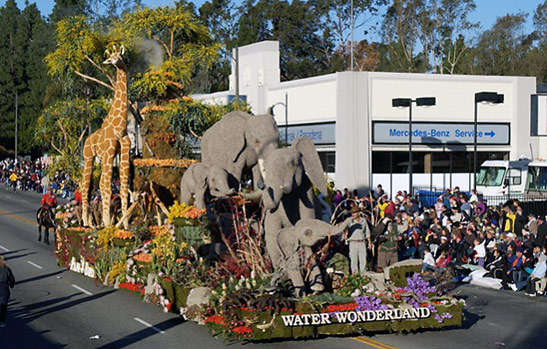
(386, 132)
(318, 133)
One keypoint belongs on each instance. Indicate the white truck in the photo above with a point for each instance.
(523, 176)
(499, 177)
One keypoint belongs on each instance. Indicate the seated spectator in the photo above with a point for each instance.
(497, 268)
(480, 252)
(428, 263)
(537, 274)
(442, 262)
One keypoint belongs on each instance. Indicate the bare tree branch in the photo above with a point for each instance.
(94, 80)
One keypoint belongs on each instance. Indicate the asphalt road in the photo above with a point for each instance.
(54, 308)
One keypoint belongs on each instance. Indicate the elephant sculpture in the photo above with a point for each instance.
(240, 141)
(294, 245)
(288, 195)
(203, 179)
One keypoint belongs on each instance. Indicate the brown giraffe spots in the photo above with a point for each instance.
(106, 143)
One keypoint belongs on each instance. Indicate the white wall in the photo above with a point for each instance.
(352, 131)
(258, 67)
(454, 93)
(310, 100)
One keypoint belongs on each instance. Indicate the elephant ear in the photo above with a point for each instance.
(235, 127)
(200, 172)
(312, 163)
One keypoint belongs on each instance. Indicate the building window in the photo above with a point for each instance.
(426, 162)
(328, 159)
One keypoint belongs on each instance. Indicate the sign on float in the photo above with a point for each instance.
(386, 132)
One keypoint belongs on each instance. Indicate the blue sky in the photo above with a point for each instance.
(486, 12)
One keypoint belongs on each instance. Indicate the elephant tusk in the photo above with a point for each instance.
(262, 168)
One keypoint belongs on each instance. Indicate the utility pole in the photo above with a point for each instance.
(237, 74)
(16, 126)
(351, 44)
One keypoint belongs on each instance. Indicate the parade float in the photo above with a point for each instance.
(231, 265)
(230, 241)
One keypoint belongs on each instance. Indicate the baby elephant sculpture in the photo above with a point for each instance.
(202, 180)
(295, 248)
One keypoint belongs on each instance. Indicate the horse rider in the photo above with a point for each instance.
(48, 202)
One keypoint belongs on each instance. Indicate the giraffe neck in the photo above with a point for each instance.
(117, 116)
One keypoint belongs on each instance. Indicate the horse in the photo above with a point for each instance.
(45, 217)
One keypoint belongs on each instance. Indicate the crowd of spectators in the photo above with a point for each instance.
(456, 235)
(32, 176)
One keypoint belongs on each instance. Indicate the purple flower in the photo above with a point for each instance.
(417, 285)
(369, 303)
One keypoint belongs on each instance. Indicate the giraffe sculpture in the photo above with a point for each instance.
(105, 143)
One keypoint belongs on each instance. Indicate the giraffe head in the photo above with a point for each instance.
(115, 57)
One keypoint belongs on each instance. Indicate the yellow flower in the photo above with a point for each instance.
(184, 211)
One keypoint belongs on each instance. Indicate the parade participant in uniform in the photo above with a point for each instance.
(49, 200)
(357, 235)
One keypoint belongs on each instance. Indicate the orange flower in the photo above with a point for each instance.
(143, 257)
(180, 163)
(80, 229)
(157, 230)
(123, 234)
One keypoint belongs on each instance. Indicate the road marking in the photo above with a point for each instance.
(148, 325)
(19, 218)
(34, 265)
(371, 342)
(81, 289)
(3, 248)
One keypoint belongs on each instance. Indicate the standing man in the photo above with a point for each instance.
(541, 232)
(387, 250)
(357, 235)
(7, 281)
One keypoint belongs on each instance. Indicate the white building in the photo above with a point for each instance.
(362, 139)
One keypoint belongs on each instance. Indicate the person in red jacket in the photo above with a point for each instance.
(49, 200)
(78, 197)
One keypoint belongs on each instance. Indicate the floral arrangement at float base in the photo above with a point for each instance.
(417, 306)
(68, 216)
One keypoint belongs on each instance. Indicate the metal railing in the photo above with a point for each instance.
(530, 203)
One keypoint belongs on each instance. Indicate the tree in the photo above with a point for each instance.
(401, 33)
(442, 29)
(434, 27)
(66, 8)
(366, 55)
(501, 49)
(37, 37)
(164, 47)
(11, 70)
(62, 126)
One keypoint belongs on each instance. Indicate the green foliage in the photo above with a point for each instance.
(353, 282)
(63, 125)
(22, 42)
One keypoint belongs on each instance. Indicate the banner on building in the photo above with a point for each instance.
(442, 133)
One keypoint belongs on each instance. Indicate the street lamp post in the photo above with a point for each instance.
(481, 97)
(407, 102)
(286, 105)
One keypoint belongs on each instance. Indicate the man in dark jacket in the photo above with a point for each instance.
(542, 232)
(7, 281)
